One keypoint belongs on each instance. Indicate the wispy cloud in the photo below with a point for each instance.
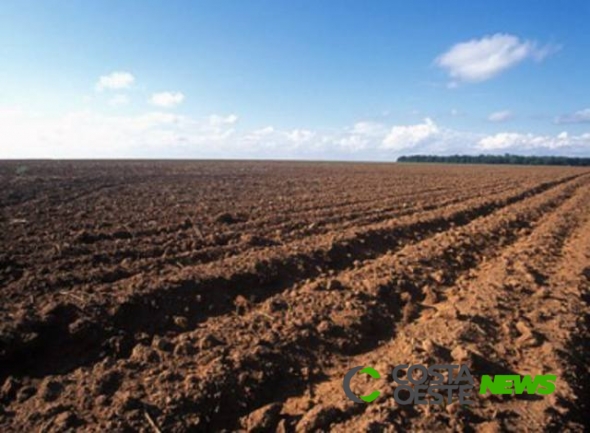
(581, 116)
(167, 99)
(115, 81)
(481, 59)
(500, 116)
(216, 120)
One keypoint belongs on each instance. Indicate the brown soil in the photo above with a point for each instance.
(199, 296)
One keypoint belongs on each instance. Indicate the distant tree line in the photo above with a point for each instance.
(498, 159)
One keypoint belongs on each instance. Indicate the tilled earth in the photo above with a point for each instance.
(200, 296)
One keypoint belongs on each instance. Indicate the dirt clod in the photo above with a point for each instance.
(264, 419)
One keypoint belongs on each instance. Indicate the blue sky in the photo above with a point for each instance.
(300, 79)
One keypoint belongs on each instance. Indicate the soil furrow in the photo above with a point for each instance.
(374, 304)
(75, 332)
(209, 295)
(158, 258)
(538, 323)
(454, 259)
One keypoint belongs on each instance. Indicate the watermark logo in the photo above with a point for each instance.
(515, 384)
(348, 377)
(439, 384)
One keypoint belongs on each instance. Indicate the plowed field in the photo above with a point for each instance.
(207, 296)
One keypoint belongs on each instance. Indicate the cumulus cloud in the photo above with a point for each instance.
(89, 134)
(115, 81)
(581, 116)
(163, 134)
(481, 59)
(361, 136)
(167, 99)
(500, 116)
(407, 137)
(526, 142)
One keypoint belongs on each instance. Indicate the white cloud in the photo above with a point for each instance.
(407, 137)
(158, 134)
(300, 135)
(581, 116)
(481, 59)
(361, 136)
(215, 120)
(526, 142)
(115, 81)
(119, 100)
(88, 134)
(265, 131)
(167, 99)
(369, 129)
(353, 143)
(500, 116)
